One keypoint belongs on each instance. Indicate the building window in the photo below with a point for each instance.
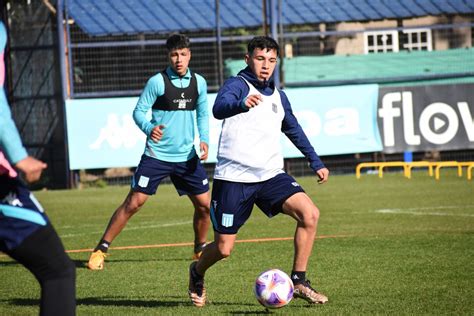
(392, 41)
(417, 39)
(381, 42)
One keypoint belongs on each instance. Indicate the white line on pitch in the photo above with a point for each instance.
(416, 210)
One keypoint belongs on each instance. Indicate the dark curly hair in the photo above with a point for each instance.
(262, 42)
(177, 41)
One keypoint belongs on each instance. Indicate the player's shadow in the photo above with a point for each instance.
(8, 263)
(82, 264)
(172, 302)
(22, 301)
(94, 301)
(259, 312)
(97, 301)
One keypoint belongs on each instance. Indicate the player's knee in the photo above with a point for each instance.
(131, 207)
(131, 210)
(311, 217)
(62, 267)
(224, 252)
(203, 211)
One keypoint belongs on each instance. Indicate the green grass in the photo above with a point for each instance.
(399, 246)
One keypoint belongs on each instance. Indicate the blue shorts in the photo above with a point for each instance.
(189, 177)
(20, 213)
(232, 202)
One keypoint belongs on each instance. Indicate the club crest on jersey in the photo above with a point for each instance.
(275, 108)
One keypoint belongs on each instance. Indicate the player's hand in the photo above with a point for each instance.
(157, 133)
(323, 175)
(204, 150)
(31, 168)
(253, 100)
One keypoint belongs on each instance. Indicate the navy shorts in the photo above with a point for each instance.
(189, 177)
(20, 213)
(232, 202)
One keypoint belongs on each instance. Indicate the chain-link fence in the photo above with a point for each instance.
(423, 50)
(411, 51)
(33, 83)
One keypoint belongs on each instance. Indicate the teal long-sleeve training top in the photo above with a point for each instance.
(177, 143)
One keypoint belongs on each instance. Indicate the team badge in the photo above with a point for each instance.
(274, 108)
(227, 220)
(143, 181)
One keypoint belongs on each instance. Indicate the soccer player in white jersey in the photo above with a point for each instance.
(249, 168)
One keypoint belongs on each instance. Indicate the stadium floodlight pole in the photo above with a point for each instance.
(61, 48)
(69, 66)
(264, 15)
(62, 65)
(274, 34)
(281, 40)
(219, 43)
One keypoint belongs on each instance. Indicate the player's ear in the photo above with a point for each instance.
(247, 57)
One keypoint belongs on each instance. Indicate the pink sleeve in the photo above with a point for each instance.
(2, 69)
(5, 167)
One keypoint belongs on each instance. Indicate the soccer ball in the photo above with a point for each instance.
(273, 288)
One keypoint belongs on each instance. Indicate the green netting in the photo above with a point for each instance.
(417, 64)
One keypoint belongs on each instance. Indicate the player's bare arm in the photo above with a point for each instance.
(32, 168)
(157, 133)
(323, 175)
(204, 150)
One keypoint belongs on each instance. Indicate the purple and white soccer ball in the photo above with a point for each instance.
(273, 288)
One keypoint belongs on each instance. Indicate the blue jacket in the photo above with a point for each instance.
(231, 99)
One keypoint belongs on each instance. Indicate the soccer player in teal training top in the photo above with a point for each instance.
(177, 99)
(26, 233)
(250, 171)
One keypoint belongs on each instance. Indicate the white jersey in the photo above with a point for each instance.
(249, 144)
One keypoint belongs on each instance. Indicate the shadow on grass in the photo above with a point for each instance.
(104, 302)
(22, 301)
(8, 263)
(94, 301)
(175, 301)
(264, 312)
(82, 264)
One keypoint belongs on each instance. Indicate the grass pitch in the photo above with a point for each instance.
(385, 246)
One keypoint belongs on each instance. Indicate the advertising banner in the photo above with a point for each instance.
(102, 133)
(337, 120)
(422, 118)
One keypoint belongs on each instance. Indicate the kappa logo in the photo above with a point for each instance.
(295, 184)
(118, 132)
(12, 199)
